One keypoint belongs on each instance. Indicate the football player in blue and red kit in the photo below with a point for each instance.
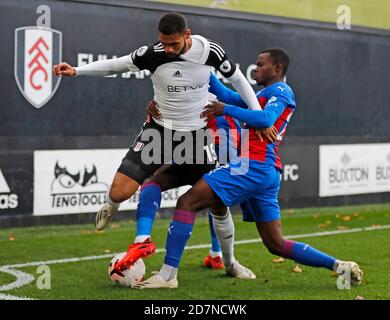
(253, 176)
(226, 132)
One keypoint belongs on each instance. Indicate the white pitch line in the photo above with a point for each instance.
(23, 278)
(198, 246)
(58, 261)
(9, 297)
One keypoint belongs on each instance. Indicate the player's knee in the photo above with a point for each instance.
(184, 203)
(274, 250)
(118, 194)
(187, 202)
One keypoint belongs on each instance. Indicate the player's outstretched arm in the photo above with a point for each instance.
(224, 94)
(99, 68)
(253, 118)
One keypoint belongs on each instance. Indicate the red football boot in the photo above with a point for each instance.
(213, 263)
(136, 251)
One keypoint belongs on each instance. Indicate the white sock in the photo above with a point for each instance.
(110, 202)
(168, 272)
(141, 238)
(224, 229)
(214, 254)
(336, 265)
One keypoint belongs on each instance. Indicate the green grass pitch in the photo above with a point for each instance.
(88, 279)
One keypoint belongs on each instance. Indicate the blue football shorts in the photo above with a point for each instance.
(253, 184)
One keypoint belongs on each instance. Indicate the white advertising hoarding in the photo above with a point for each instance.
(354, 169)
(76, 181)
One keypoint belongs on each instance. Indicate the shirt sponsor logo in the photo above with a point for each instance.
(272, 99)
(171, 88)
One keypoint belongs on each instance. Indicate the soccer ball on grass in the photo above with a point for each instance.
(129, 277)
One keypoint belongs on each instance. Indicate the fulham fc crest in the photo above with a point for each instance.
(138, 146)
(37, 49)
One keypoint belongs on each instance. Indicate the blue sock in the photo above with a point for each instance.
(149, 203)
(215, 247)
(179, 232)
(306, 255)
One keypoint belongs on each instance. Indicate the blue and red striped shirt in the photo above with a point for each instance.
(278, 104)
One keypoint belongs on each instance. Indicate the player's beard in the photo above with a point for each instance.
(263, 81)
(175, 55)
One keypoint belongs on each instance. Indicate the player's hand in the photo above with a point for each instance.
(152, 111)
(64, 69)
(269, 134)
(213, 109)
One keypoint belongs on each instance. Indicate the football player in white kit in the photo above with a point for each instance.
(180, 65)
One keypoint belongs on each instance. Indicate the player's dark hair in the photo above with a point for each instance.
(278, 55)
(171, 23)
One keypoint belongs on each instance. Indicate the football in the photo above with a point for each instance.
(128, 277)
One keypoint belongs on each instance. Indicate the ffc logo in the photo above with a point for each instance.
(37, 49)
